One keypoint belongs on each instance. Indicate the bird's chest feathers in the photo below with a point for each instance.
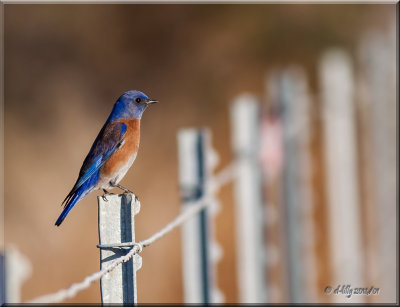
(119, 163)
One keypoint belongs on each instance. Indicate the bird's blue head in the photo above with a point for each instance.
(130, 105)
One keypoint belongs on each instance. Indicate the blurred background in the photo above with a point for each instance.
(330, 157)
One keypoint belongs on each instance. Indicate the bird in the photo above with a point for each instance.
(113, 151)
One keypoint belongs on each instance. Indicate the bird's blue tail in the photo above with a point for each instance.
(77, 196)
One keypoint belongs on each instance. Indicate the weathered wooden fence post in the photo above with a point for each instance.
(341, 168)
(199, 247)
(117, 225)
(248, 198)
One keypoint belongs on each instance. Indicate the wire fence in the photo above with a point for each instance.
(214, 184)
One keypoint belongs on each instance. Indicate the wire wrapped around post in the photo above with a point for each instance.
(116, 226)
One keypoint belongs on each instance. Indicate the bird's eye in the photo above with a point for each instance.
(138, 100)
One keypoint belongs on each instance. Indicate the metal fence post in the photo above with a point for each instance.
(15, 269)
(117, 225)
(248, 198)
(377, 57)
(2, 279)
(341, 168)
(198, 243)
(297, 186)
(291, 189)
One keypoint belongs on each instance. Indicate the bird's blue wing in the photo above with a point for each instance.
(106, 143)
(92, 169)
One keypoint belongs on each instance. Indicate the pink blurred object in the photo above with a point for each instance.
(271, 151)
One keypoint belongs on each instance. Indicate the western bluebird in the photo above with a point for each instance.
(112, 152)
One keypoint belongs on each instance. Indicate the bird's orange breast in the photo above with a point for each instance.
(128, 149)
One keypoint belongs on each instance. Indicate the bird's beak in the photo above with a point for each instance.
(151, 101)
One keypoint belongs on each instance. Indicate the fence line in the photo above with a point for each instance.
(77, 287)
(216, 182)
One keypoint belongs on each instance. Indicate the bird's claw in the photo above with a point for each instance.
(105, 194)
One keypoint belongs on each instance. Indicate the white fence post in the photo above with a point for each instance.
(378, 61)
(248, 198)
(297, 184)
(117, 225)
(341, 168)
(15, 269)
(199, 249)
(2, 279)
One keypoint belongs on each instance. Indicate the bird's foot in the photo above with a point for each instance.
(105, 194)
(136, 199)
